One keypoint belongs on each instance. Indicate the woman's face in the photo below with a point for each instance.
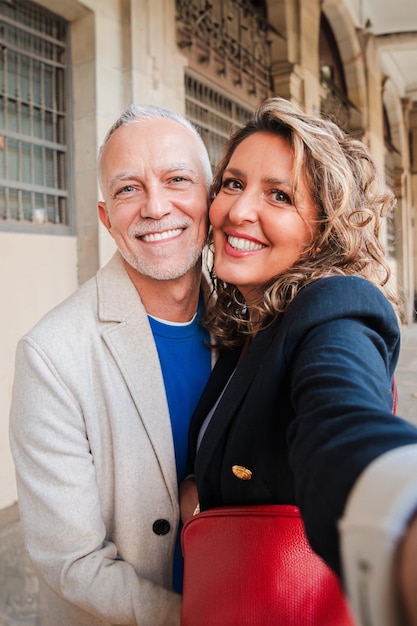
(258, 232)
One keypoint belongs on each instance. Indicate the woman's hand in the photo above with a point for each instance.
(188, 498)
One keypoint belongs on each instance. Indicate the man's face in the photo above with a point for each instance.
(155, 197)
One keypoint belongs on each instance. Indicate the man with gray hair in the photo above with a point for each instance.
(105, 385)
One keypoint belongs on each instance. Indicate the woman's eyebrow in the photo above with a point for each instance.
(234, 171)
(277, 181)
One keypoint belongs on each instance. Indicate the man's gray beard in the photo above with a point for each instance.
(166, 270)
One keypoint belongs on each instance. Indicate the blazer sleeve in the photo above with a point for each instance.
(341, 354)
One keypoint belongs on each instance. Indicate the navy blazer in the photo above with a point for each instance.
(307, 409)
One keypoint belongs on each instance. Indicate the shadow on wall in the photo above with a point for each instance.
(18, 581)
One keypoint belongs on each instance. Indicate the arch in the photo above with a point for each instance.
(350, 51)
(395, 117)
(397, 169)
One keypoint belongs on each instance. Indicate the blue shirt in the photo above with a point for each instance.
(186, 364)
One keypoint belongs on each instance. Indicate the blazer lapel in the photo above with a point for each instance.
(234, 394)
(128, 336)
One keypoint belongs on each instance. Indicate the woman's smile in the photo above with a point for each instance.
(239, 243)
(261, 225)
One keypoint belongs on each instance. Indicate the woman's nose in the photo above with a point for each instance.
(245, 207)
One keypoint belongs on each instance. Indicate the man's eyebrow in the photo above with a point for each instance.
(172, 167)
(122, 177)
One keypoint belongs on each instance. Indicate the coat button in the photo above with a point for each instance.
(161, 527)
(242, 472)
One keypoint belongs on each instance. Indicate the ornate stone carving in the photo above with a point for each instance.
(232, 35)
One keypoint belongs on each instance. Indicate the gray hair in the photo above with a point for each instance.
(144, 112)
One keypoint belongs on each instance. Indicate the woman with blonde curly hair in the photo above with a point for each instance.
(350, 201)
(301, 398)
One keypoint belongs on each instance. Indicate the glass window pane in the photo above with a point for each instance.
(33, 155)
(13, 204)
(12, 160)
(26, 162)
(2, 203)
(26, 200)
(50, 177)
(38, 168)
(25, 119)
(36, 82)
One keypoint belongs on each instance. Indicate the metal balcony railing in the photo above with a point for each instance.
(233, 36)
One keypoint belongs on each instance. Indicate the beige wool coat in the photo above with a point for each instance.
(91, 439)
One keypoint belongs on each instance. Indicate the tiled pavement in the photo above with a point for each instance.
(18, 583)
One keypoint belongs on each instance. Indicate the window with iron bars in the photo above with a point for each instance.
(33, 118)
(214, 113)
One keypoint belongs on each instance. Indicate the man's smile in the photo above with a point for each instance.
(166, 234)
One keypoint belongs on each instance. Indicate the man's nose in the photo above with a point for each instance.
(155, 204)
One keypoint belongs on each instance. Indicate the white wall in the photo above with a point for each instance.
(37, 272)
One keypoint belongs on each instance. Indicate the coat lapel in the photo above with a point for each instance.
(234, 393)
(128, 336)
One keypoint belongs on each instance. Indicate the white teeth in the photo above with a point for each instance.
(165, 235)
(244, 244)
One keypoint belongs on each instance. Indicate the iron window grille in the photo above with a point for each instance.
(214, 113)
(34, 142)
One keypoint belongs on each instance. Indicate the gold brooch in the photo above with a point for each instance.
(241, 472)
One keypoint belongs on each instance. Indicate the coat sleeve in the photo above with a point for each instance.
(344, 348)
(60, 506)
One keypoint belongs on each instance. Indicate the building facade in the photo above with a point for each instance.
(68, 68)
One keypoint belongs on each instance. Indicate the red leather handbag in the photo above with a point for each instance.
(253, 566)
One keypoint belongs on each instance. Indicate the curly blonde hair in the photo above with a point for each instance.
(351, 199)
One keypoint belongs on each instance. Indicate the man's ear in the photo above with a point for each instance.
(104, 215)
